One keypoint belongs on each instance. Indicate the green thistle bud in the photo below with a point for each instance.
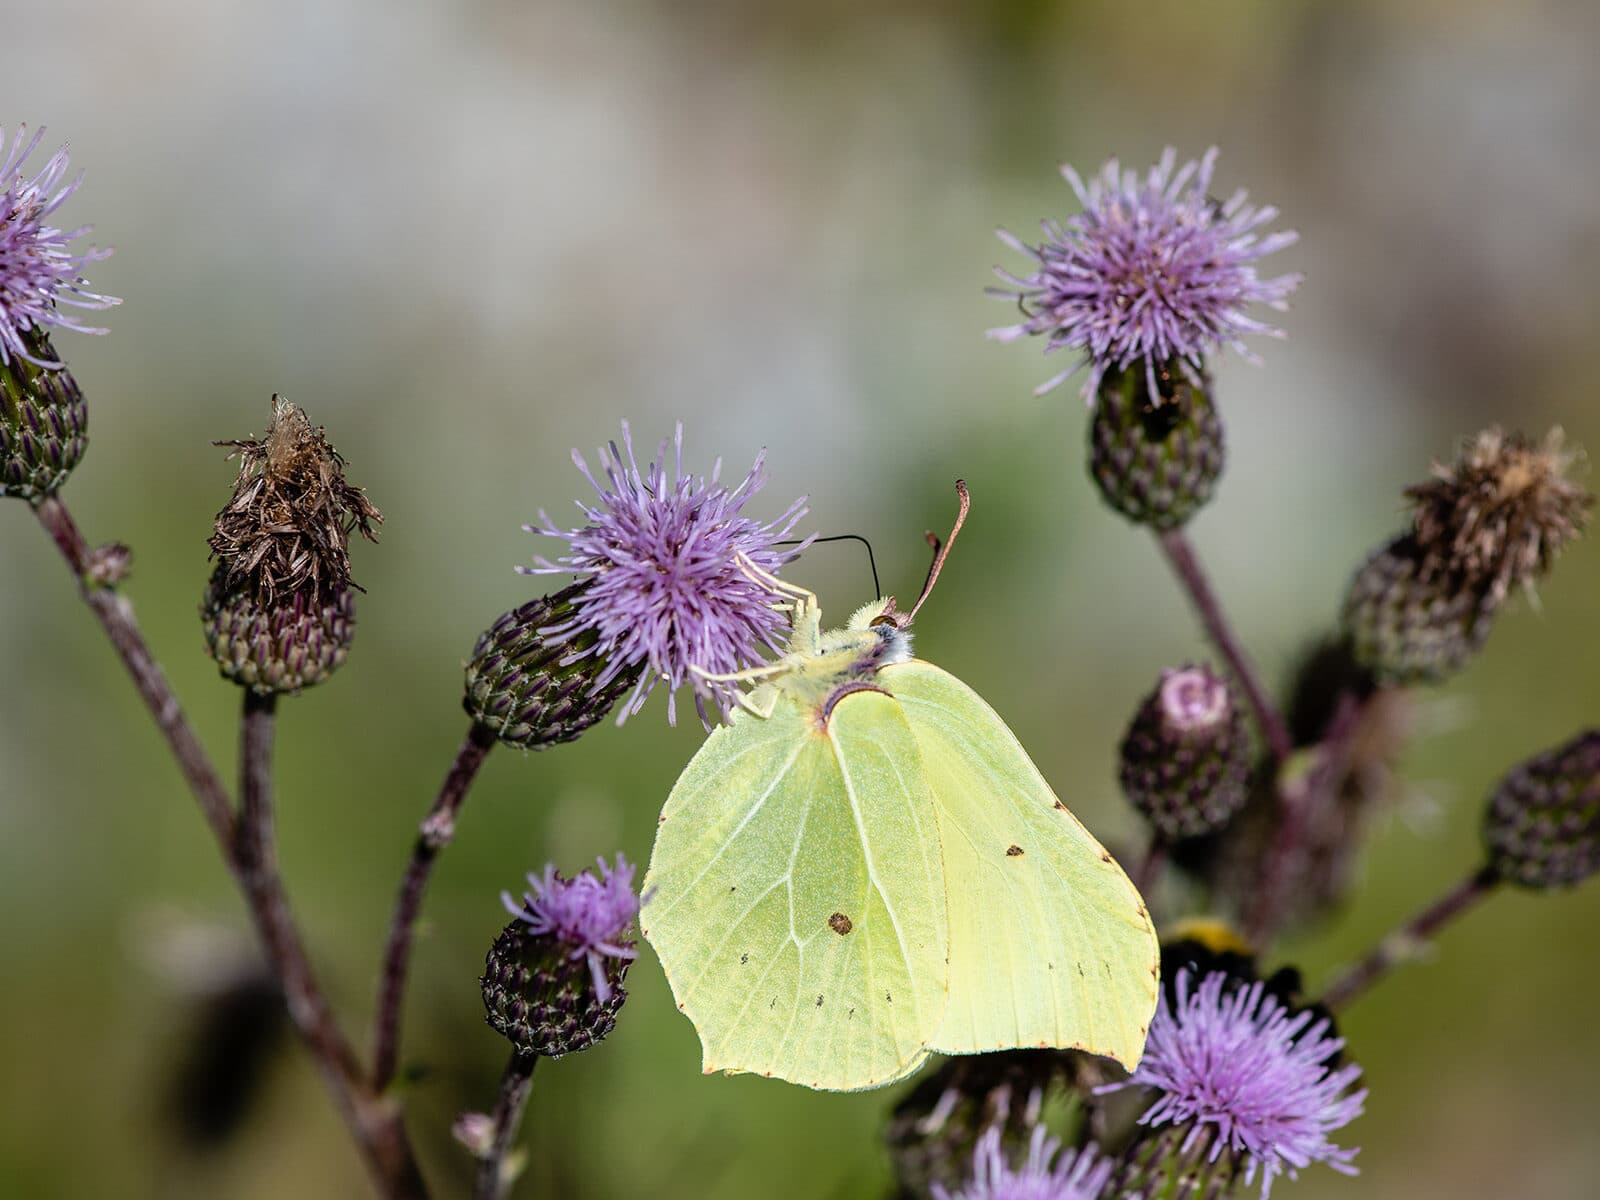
(1542, 825)
(44, 423)
(532, 691)
(1155, 460)
(1185, 760)
(1174, 1163)
(1409, 622)
(279, 645)
(552, 983)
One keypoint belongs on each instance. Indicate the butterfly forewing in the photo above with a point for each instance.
(1050, 944)
(795, 899)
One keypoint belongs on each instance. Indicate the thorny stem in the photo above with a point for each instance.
(1402, 945)
(246, 847)
(115, 615)
(433, 835)
(1301, 803)
(1181, 556)
(515, 1085)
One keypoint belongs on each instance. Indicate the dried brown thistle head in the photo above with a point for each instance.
(288, 524)
(1499, 514)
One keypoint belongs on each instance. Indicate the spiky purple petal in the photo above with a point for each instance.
(591, 914)
(1157, 273)
(1075, 1175)
(38, 272)
(666, 554)
(1258, 1074)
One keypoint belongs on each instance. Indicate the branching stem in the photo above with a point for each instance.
(1402, 945)
(433, 835)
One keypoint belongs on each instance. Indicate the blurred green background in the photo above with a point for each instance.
(469, 236)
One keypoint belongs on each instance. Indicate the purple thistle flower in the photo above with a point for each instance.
(1157, 272)
(1255, 1072)
(1075, 1175)
(664, 555)
(591, 915)
(38, 273)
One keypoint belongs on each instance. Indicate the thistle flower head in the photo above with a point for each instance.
(38, 271)
(1155, 273)
(1048, 1173)
(287, 525)
(589, 915)
(667, 556)
(1501, 512)
(1241, 1068)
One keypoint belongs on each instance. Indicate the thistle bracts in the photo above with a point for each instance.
(552, 982)
(542, 1002)
(1410, 621)
(533, 691)
(1542, 824)
(1176, 1164)
(1495, 519)
(1155, 456)
(43, 423)
(292, 642)
(1185, 760)
(279, 611)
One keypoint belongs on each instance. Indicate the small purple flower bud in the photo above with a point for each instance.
(1185, 760)
(552, 983)
(1152, 274)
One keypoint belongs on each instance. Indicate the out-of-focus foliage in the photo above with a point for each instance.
(466, 237)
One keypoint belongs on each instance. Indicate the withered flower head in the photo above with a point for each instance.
(288, 523)
(1500, 513)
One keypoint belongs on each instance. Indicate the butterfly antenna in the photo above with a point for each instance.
(872, 562)
(941, 550)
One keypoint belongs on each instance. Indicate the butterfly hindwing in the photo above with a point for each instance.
(795, 897)
(1050, 943)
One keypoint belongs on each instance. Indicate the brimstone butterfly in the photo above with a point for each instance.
(864, 867)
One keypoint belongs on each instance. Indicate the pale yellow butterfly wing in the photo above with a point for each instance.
(1050, 943)
(795, 896)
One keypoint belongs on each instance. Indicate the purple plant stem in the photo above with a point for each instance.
(246, 847)
(1181, 556)
(115, 615)
(433, 835)
(375, 1123)
(1400, 946)
(515, 1085)
(1299, 806)
(1150, 866)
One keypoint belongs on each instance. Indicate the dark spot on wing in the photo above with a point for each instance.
(852, 1015)
(1107, 966)
(840, 924)
(1013, 851)
(819, 999)
(1061, 806)
(743, 958)
(774, 1003)
(1080, 971)
(733, 887)
(1049, 966)
(888, 997)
